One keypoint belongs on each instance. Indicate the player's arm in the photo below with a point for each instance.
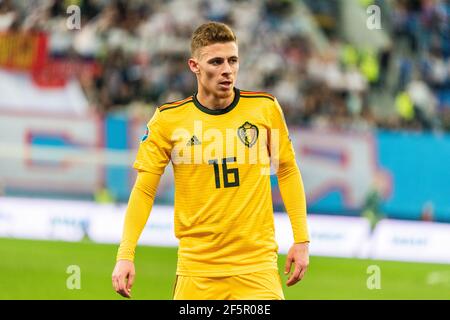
(293, 195)
(138, 211)
(153, 156)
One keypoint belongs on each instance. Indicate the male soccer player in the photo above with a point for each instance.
(222, 142)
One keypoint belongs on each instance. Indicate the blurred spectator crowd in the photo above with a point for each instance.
(142, 47)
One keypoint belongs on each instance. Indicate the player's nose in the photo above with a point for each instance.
(226, 68)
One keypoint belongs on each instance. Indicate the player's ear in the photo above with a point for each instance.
(193, 65)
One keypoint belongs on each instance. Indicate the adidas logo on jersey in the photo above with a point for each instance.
(193, 141)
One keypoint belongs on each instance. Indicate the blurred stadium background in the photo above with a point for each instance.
(368, 111)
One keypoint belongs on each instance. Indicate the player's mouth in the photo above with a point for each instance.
(226, 85)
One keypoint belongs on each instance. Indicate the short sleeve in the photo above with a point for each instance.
(281, 149)
(155, 148)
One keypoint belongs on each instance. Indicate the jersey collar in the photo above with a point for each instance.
(218, 111)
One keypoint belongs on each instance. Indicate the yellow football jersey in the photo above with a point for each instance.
(221, 161)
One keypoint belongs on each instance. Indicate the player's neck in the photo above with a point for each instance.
(210, 101)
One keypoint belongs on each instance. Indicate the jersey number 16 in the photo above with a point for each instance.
(225, 172)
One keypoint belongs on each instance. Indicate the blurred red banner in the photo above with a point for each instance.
(56, 72)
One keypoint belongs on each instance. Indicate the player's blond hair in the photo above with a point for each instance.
(210, 33)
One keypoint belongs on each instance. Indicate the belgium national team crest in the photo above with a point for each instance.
(248, 133)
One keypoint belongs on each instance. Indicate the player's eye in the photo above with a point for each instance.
(233, 60)
(216, 62)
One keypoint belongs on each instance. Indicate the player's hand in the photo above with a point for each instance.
(123, 277)
(299, 255)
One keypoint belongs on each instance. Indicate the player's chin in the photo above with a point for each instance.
(225, 91)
